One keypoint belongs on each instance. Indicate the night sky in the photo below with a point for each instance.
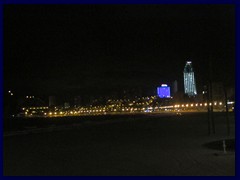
(94, 48)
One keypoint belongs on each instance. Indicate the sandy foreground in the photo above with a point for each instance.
(152, 145)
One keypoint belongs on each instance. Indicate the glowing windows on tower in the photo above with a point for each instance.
(163, 91)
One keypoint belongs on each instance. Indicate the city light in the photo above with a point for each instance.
(189, 80)
(146, 104)
(163, 91)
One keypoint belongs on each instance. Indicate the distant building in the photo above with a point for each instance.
(218, 91)
(66, 105)
(31, 101)
(52, 101)
(163, 91)
(175, 87)
(231, 93)
(189, 80)
(77, 101)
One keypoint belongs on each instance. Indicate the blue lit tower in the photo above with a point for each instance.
(163, 91)
(189, 80)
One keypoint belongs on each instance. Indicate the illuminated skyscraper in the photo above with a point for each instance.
(163, 91)
(189, 80)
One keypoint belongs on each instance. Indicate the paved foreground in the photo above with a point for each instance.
(151, 145)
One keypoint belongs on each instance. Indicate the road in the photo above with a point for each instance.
(144, 146)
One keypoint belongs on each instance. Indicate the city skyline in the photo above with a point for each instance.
(119, 89)
(59, 49)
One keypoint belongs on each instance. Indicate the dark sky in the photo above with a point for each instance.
(58, 48)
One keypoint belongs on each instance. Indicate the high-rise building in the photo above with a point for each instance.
(189, 80)
(175, 87)
(163, 91)
(52, 101)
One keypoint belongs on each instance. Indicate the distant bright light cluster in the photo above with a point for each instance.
(163, 91)
(189, 80)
